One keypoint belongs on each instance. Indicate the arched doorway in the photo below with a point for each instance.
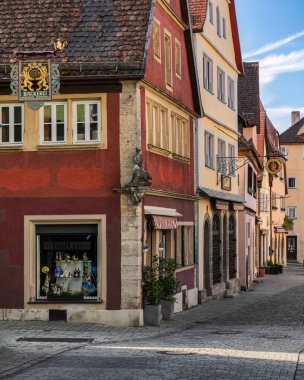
(225, 253)
(207, 254)
(232, 247)
(216, 250)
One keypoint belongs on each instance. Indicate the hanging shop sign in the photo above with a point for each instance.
(35, 81)
(225, 182)
(273, 166)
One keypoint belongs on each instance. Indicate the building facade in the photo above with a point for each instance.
(219, 65)
(74, 223)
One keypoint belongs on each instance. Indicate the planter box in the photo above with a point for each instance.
(167, 309)
(152, 315)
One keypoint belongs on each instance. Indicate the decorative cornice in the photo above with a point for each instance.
(171, 194)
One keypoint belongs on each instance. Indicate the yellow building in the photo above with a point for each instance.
(292, 142)
(219, 65)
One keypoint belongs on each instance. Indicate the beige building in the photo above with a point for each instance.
(219, 65)
(292, 141)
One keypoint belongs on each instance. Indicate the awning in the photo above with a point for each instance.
(205, 192)
(280, 230)
(163, 222)
(162, 218)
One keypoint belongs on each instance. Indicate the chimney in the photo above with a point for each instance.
(295, 117)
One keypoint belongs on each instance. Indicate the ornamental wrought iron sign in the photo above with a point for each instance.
(273, 166)
(35, 81)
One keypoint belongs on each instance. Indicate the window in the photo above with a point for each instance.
(87, 121)
(218, 21)
(211, 12)
(250, 180)
(284, 151)
(232, 163)
(221, 167)
(208, 73)
(292, 212)
(231, 102)
(224, 27)
(292, 182)
(184, 249)
(274, 201)
(180, 136)
(53, 123)
(178, 59)
(209, 150)
(157, 122)
(156, 40)
(264, 201)
(282, 203)
(168, 60)
(220, 84)
(67, 262)
(11, 119)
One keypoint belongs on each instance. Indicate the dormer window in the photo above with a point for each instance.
(218, 21)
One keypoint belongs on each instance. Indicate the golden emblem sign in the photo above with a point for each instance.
(34, 81)
(273, 166)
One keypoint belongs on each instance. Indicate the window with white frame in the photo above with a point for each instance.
(282, 203)
(209, 150)
(218, 21)
(231, 102)
(53, 123)
(86, 121)
(264, 202)
(221, 156)
(11, 119)
(292, 182)
(284, 151)
(208, 73)
(211, 12)
(220, 84)
(232, 162)
(224, 28)
(292, 212)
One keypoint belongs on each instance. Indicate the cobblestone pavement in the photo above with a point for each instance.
(258, 335)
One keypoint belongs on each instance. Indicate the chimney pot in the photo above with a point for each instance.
(295, 117)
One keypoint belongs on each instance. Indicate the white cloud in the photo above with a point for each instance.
(281, 116)
(274, 45)
(273, 65)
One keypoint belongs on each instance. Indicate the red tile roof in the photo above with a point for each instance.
(198, 10)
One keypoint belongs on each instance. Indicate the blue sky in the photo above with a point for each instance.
(272, 32)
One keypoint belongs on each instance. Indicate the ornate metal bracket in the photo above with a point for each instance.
(228, 166)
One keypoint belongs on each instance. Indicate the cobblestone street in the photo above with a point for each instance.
(258, 335)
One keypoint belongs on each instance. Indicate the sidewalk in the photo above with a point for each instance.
(293, 277)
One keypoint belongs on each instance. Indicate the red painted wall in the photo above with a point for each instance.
(155, 71)
(59, 182)
(186, 277)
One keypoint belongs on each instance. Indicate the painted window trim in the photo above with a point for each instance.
(296, 182)
(11, 125)
(295, 212)
(156, 57)
(53, 111)
(178, 74)
(169, 85)
(87, 131)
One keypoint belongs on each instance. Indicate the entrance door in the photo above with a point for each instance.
(291, 247)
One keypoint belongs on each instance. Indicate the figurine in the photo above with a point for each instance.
(58, 272)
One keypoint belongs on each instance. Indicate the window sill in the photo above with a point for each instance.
(10, 147)
(180, 158)
(222, 100)
(209, 167)
(43, 302)
(69, 146)
(156, 149)
(210, 91)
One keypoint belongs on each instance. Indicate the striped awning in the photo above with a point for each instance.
(163, 222)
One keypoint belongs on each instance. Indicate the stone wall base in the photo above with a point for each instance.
(105, 317)
(218, 291)
(233, 287)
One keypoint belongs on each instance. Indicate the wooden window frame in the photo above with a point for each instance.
(208, 73)
(11, 124)
(168, 60)
(53, 106)
(209, 149)
(231, 93)
(221, 85)
(178, 59)
(157, 54)
(87, 140)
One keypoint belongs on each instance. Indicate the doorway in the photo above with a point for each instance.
(291, 247)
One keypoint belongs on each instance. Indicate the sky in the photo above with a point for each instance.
(272, 32)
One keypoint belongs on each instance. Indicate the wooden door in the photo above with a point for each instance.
(291, 247)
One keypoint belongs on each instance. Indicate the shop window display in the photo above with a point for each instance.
(67, 262)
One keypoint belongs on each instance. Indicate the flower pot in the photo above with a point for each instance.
(167, 309)
(152, 315)
(262, 272)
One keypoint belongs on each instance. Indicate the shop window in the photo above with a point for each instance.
(53, 123)
(67, 262)
(11, 119)
(87, 121)
(184, 251)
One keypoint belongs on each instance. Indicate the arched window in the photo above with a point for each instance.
(216, 249)
(218, 21)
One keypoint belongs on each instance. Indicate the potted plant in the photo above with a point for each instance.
(152, 289)
(262, 271)
(169, 287)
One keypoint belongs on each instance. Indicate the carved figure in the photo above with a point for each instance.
(34, 74)
(140, 177)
